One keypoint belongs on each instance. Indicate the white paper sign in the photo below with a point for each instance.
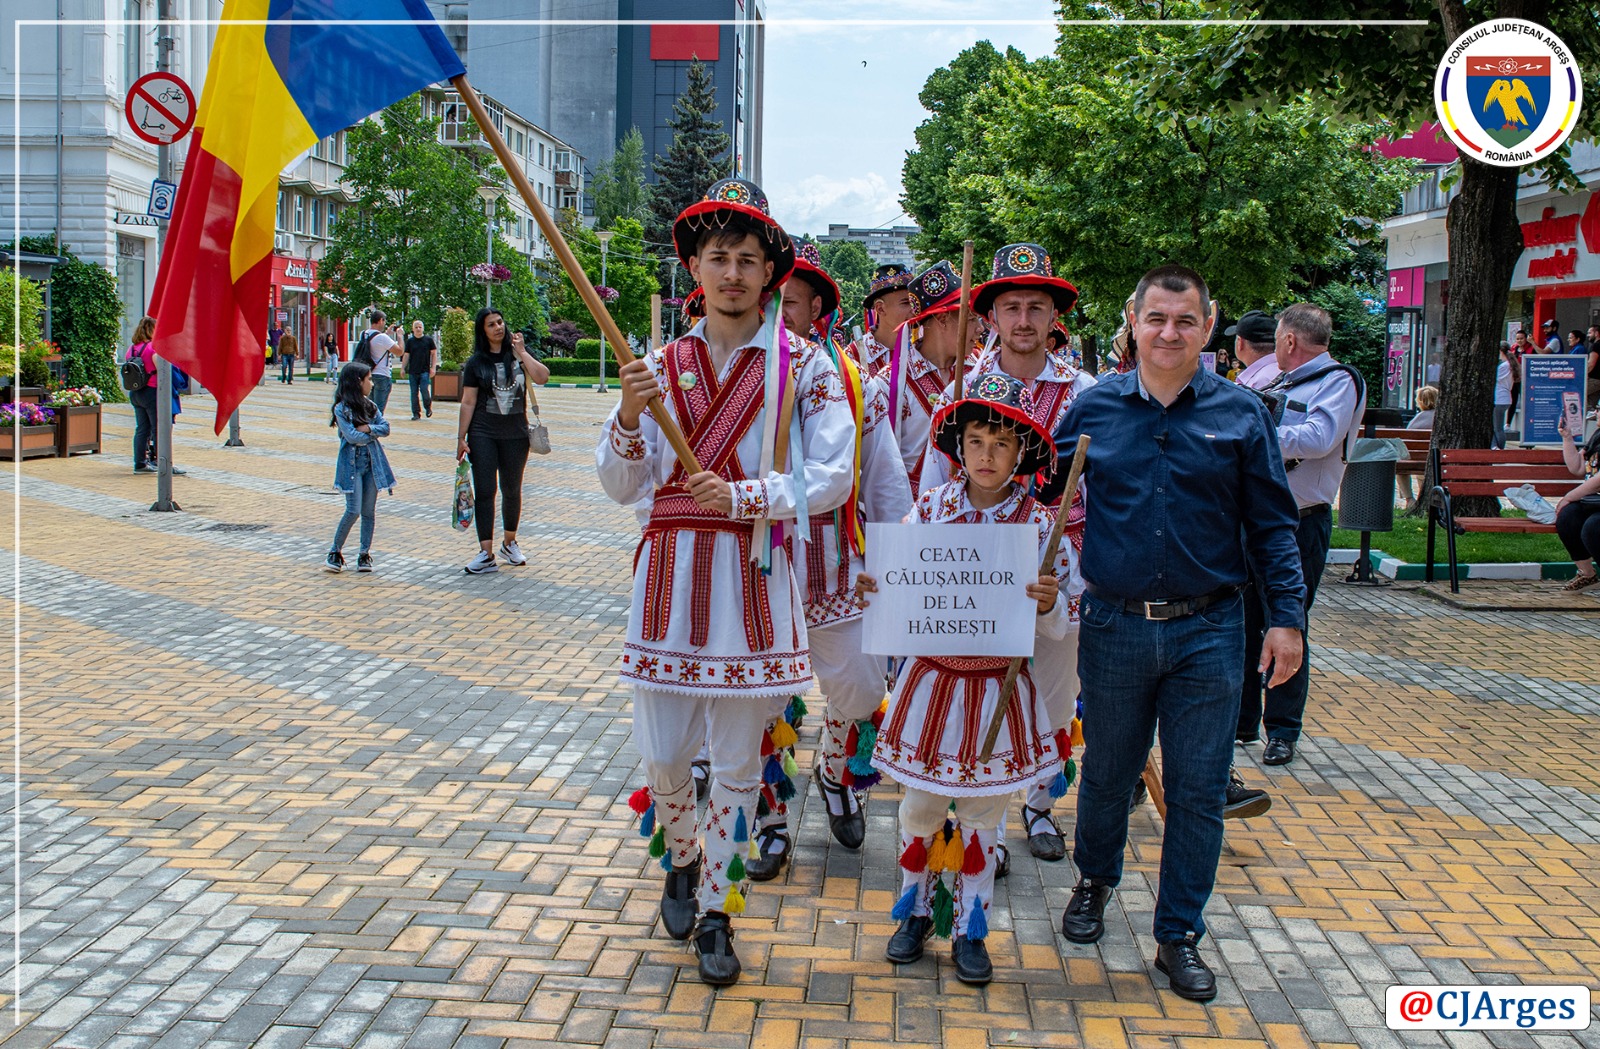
(951, 589)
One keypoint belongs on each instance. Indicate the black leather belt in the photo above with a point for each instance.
(1176, 609)
(1314, 508)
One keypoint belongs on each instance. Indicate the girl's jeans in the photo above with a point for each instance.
(361, 501)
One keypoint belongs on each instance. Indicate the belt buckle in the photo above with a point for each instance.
(1150, 609)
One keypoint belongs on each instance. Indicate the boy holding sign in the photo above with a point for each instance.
(941, 705)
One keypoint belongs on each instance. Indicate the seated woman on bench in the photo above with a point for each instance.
(1578, 512)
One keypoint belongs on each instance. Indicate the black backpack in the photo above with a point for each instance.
(134, 377)
(363, 352)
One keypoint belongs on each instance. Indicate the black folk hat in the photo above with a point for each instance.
(1018, 267)
(808, 267)
(937, 290)
(995, 398)
(729, 197)
(886, 278)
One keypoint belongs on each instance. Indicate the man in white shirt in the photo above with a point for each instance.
(374, 350)
(1322, 405)
(1254, 338)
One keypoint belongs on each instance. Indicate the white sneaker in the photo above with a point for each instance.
(512, 554)
(484, 562)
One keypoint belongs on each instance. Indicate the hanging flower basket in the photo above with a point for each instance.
(489, 273)
(608, 294)
(672, 303)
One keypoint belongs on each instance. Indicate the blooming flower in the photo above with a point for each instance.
(26, 415)
(75, 397)
(608, 294)
(489, 273)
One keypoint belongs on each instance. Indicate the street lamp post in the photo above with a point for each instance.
(490, 194)
(604, 236)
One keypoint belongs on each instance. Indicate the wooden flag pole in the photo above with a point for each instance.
(655, 322)
(964, 318)
(1008, 688)
(569, 262)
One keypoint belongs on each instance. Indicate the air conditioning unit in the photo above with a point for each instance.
(283, 242)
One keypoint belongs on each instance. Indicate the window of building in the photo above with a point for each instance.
(541, 154)
(283, 210)
(299, 213)
(316, 217)
(132, 43)
(333, 216)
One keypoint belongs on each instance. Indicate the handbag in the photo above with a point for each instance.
(462, 499)
(538, 433)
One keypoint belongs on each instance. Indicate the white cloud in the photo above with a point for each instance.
(808, 204)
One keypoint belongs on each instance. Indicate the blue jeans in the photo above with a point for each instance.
(421, 393)
(361, 501)
(1183, 677)
(381, 385)
(1286, 704)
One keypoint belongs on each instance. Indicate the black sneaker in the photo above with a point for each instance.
(679, 903)
(1085, 918)
(972, 961)
(905, 946)
(334, 562)
(1190, 976)
(364, 563)
(713, 942)
(1244, 802)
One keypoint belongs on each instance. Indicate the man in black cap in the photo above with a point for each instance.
(887, 305)
(1253, 344)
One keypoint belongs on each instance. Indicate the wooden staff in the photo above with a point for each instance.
(569, 262)
(964, 317)
(1008, 688)
(1152, 783)
(655, 321)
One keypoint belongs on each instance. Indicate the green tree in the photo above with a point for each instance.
(1058, 152)
(1387, 73)
(697, 157)
(1359, 329)
(628, 268)
(416, 225)
(848, 263)
(455, 338)
(619, 187)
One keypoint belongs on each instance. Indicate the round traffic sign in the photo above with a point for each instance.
(160, 108)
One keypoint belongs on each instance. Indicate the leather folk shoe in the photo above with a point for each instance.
(845, 819)
(678, 901)
(1277, 752)
(713, 942)
(972, 961)
(772, 853)
(905, 946)
(1044, 837)
(1191, 977)
(1085, 918)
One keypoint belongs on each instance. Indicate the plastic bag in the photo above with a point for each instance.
(1378, 450)
(1527, 498)
(461, 505)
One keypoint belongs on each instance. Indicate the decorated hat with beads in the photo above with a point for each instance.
(994, 398)
(1057, 335)
(886, 278)
(808, 267)
(694, 304)
(725, 199)
(1021, 266)
(937, 290)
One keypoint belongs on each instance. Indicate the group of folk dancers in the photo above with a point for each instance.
(749, 580)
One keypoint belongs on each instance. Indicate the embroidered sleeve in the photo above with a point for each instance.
(924, 510)
(750, 501)
(877, 408)
(628, 444)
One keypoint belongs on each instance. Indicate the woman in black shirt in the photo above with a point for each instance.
(493, 432)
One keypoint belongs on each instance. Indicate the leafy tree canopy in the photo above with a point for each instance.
(620, 191)
(697, 157)
(628, 268)
(848, 263)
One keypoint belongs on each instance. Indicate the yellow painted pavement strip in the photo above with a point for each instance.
(390, 843)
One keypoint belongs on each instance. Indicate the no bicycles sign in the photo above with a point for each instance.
(160, 108)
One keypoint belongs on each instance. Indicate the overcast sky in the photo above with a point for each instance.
(837, 131)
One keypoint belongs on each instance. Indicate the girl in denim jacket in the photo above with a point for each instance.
(362, 467)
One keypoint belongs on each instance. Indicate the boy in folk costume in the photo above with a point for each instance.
(1021, 301)
(942, 705)
(922, 363)
(851, 680)
(885, 307)
(716, 637)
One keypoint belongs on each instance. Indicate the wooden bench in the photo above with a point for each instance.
(1485, 471)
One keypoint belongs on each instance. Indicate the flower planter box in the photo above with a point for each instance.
(22, 395)
(27, 442)
(447, 386)
(77, 429)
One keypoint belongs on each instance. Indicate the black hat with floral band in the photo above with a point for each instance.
(937, 290)
(724, 203)
(995, 398)
(808, 267)
(1018, 267)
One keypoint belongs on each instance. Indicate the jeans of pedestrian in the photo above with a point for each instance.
(144, 423)
(381, 385)
(360, 502)
(1502, 416)
(421, 393)
(1579, 528)
(1285, 707)
(1255, 629)
(1181, 676)
(496, 462)
(285, 369)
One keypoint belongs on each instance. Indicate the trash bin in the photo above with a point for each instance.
(1366, 496)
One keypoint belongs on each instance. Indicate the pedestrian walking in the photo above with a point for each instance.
(493, 433)
(288, 350)
(1504, 377)
(1181, 460)
(420, 360)
(330, 358)
(362, 468)
(143, 399)
(375, 350)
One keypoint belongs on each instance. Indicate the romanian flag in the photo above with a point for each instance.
(283, 74)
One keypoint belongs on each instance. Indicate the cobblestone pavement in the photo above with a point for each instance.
(266, 806)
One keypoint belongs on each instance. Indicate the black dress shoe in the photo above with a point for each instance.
(772, 854)
(713, 942)
(1002, 859)
(849, 827)
(972, 961)
(701, 770)
(1191, 977)
(678, 901)
(1242, 801)
(1277, 752)
(905, 946)
(1044, 837)
(1085, 918)
(1141, 794)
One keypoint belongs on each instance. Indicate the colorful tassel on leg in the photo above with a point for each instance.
(1059, 785)
(736, 869)
(978, 922)
(915, 857)
(741, 830)
(944, 910)
(783, 736)
(972, 860)
(734, 904)
(640, 800)
(905, 904)
(658, 843)
(647, 823)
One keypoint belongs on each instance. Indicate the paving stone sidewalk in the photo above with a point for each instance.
(266, 806)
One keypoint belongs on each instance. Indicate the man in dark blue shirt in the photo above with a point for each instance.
(1181, 464)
